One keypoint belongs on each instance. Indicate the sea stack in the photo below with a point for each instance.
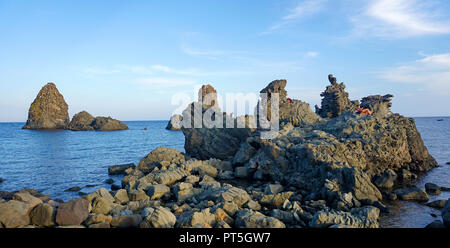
(49, 110)
(175, 123)
(84, 121)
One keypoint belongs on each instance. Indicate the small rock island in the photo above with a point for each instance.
(50, 111)
(84, 121)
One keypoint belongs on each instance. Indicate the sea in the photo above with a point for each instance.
(53, 161)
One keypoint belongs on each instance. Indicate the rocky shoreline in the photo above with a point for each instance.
(331, 168)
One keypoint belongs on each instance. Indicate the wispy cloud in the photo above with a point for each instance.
(303, 9)
(431, 73)
(164, 82)
(143, 70)
(400, 19)
(311, 54)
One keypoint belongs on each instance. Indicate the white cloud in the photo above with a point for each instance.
(305, 8)
(431, 73)
(302, 9)
(311, 54)
(400, 19)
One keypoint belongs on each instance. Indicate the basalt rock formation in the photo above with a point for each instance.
(84, 121)
(206, 137)
(335, 100)
(49, 110)
(175, 123)
(108, 124)
(292, 111)
(317, 172)
(333, 157)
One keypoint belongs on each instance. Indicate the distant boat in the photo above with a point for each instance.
(440, 119)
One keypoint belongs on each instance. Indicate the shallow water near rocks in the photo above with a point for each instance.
(53, 161)
(436, 136)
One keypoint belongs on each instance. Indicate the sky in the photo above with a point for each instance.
(127, 59)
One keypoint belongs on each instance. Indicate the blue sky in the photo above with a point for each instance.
(127, 59)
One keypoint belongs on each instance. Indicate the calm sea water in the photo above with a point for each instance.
(436, 136)
(52, 161)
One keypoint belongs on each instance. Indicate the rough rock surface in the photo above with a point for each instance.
(15, 213)
(412, 194)
(159, 158)
(49, 110)
(359, 218)
(175, 123)
(335, 100)
(379, 105)
(254, 219)
(82, 122)
(43, 215)
(292, 111)
(73, 212)
(119, 169)
(204, 137)
(108, 124)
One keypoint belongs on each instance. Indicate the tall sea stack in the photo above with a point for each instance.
(49, 110)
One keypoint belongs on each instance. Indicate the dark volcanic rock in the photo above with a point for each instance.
(49, 110)
(412, 194)
(82, 122)
(292, 111)
(335, 100)
(161, 156)
(437, 204)
(73, 189)
(207, 140)
(379, 105)
(119, 169)
(175, 123)
(108, 124)
(432, 188)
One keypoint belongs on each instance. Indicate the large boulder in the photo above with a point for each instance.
(49, 110)
(160, 218)
(160, 157)
(119, 169)
(73, 212)
(175, 123)
(43, 215)
(386, 180)
(412, 194)
(82, 122)
(253, 219)
(15, 213)
(366, 217)
(108, 124)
